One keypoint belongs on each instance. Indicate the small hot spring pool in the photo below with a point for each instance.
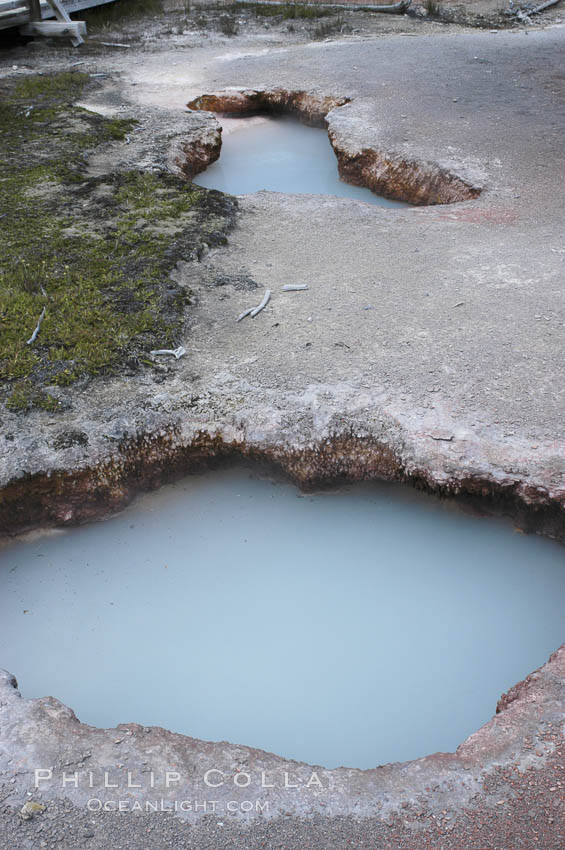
(354, 627)
(282, 155)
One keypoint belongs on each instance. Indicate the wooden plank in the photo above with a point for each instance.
(13, 13)
(78, 5)
(12, 19)
(54, 29)
(20, 5)
(70, 5)
(60, 12)
(34, 10)
(16, 10)
(347, 5)
(62, 15)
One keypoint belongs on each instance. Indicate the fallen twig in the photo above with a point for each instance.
(524, 13)
(33, 337)
(113, 44)
(245, 313)
(175, 352)
(262, 305)
(254, 311)
(543, 6)
(394, 8)
(294, 287)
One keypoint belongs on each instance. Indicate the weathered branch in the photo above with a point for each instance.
(544, 6)
(33, 337)
(262, 305)
(254, 311)
(524, 13)
(175, 352)
(294, 287)
(392, 9)
(245, 313)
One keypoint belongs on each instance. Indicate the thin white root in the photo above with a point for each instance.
(33, 337)
(245, 313)
(294, 287)
(254, 311)
(262, 305)
(176, 352)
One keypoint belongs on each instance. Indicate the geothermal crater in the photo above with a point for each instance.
(352, 627)
(386, 174)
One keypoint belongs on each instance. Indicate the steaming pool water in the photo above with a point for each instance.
(353, 627)
(282, 155)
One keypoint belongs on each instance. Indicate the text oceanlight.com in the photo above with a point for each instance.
(163, 805)
(171, 784)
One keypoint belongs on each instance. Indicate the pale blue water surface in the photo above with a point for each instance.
(355, 627)
(282, 155)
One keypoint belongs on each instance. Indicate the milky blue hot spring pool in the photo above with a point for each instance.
(355, 627)
(282, 155)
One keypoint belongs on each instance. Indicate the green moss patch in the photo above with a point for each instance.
(291, 11)
(96, 253)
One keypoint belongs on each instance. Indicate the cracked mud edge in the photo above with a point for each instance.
(389, 174)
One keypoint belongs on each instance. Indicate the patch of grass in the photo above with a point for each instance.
(45, 91)
(291, 11)
(228, 25)
(119, 12)
(432, 9)
(95, 253)
(25, 396)
(334, 27)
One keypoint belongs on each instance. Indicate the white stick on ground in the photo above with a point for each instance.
(524, 14)
(294, 287)
(262, 305)
(543, 6)
(254, 311)
(245, 313)
(176, 352)
(33, 337)
(394, 8)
